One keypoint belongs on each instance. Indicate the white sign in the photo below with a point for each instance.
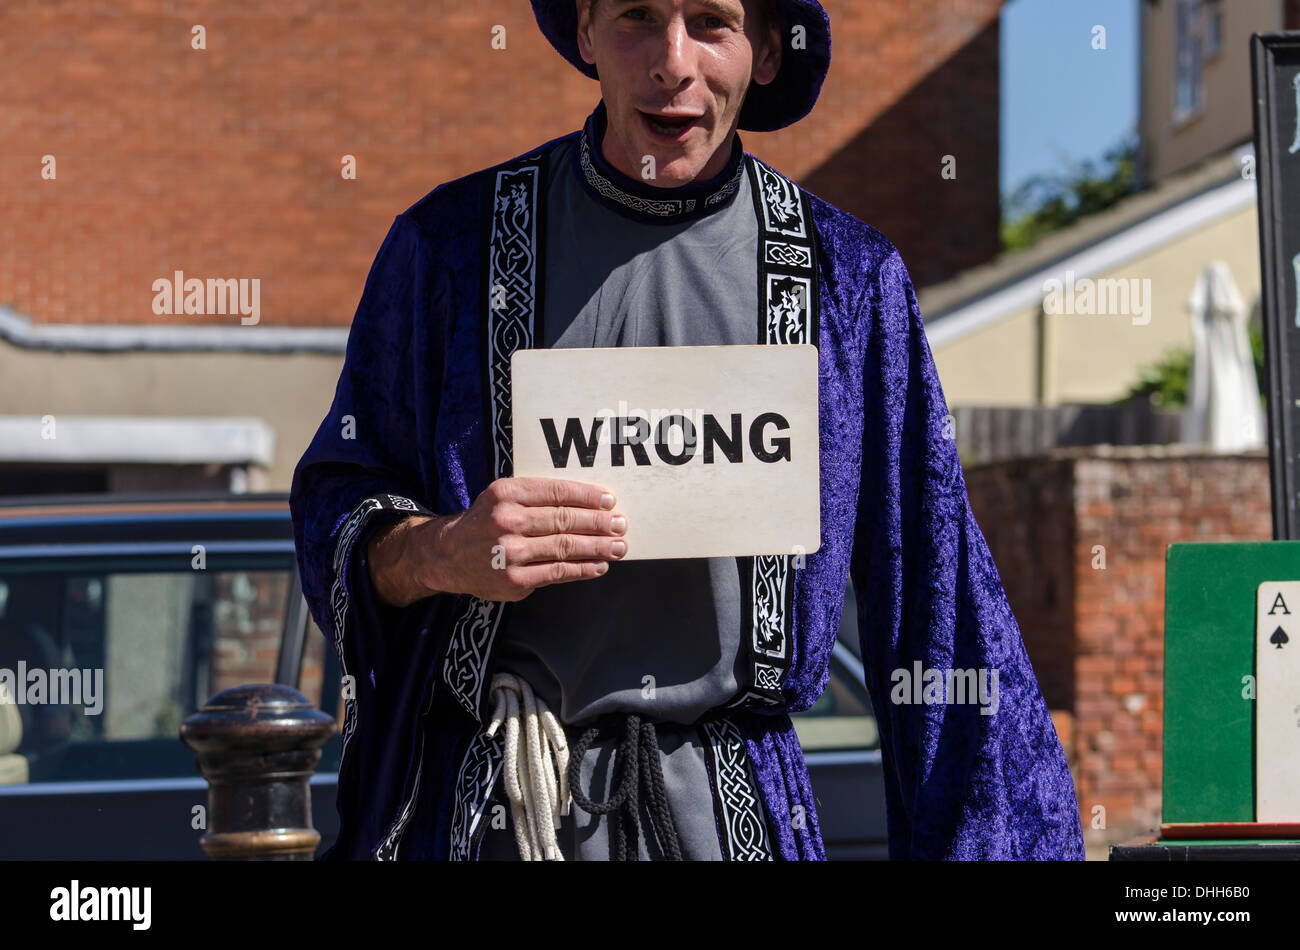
(712, 451)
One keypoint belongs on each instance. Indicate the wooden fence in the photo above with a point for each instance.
(991, 433)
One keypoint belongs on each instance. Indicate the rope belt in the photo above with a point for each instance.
(638, 753)
(538, 794)
(542, 790)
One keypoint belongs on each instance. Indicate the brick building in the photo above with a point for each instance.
(130, 154)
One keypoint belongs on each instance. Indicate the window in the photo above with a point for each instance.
(106, 660)
(1187, 60)
(1213, 28)
(842, 717)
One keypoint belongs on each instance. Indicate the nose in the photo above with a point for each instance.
(674, 63)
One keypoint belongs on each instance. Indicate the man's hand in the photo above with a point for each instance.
(520, 534)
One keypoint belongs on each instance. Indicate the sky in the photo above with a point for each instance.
(1061, 99)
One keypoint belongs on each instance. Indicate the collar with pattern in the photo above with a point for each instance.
(646, 202)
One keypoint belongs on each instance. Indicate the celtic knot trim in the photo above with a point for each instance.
(474, 783)
(741, 827)
(340, 606)
(510, 307)
(787, 313)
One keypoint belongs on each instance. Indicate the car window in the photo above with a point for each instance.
(842, 718)
(105, 660)
(321, 682)
(311, 679)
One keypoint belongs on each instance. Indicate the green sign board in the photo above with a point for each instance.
(1210, 644)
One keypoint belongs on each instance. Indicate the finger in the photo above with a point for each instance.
(559, 572)
(557, 492)
(565, 547)
(538, 522)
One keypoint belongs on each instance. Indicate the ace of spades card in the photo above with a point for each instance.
(1277, 702)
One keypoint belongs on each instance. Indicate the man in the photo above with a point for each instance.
(512, 689)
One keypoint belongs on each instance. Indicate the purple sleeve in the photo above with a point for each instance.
(363, 469)
(973, 768)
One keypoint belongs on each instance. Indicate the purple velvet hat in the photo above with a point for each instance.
(785, 100)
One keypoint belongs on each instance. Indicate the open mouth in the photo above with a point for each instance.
(669, 127)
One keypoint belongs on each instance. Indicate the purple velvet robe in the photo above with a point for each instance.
(417, 425)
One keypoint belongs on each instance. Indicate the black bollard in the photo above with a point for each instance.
(257, 746)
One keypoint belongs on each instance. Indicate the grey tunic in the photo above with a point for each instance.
(660, 638)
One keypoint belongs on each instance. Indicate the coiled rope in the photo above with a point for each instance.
(538, 794)
(638, 752)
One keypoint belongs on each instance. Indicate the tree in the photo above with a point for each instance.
(1047, 203)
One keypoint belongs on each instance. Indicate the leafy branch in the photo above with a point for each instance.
(1164, 382)
(1044, 204)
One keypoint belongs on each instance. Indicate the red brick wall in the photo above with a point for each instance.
(889, 171)
(247, 622)
(247, 631)
(225, 162)
(1132, 503)
(1291, 15)
(1025, 510)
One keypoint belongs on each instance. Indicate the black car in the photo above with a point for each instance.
(120, 616)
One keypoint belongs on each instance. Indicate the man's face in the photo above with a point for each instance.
(683, 58)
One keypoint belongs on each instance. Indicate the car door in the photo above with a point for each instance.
(841, 746)
(130, 628)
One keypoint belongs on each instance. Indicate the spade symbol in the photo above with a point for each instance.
(1279, 637)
